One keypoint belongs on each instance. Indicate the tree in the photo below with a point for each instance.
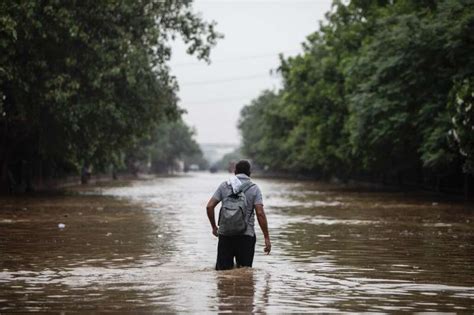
(264, 130)
(462, 121)
(82, 80)
(382, 90)
(399, 118)
(228, 161)
(171, 141)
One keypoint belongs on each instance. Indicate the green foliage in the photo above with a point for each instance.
(228, 160)
(462, 119)
(370, 94)
(81, 81)
(264, 128)
(196, 159)
(171, 141)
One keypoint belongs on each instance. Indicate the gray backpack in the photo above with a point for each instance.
(232, 217)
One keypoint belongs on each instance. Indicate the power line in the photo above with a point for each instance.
(225, 99)
(241, 58)
(216, 100)
(224, 80)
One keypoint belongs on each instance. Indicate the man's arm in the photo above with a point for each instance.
(262, 221)
(211, 205)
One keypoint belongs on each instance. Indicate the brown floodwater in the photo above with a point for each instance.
(146, 245)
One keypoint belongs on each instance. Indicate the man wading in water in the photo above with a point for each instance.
(239, 197)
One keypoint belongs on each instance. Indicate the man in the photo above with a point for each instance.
(241, 246)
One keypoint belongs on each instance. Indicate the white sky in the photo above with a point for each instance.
(255, 33)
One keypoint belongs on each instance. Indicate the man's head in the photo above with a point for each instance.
(242, 167)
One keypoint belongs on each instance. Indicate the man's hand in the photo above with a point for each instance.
(214, 231)
(268, 246)
(262, 221)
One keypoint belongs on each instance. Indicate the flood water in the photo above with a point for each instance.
(146, 245)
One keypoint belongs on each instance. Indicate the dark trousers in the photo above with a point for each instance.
(242, 247)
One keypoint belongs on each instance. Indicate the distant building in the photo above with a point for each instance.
(213, 152)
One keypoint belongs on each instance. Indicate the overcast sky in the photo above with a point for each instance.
(255, 33)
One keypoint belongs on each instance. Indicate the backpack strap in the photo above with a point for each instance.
(243, 188)
(246, 186)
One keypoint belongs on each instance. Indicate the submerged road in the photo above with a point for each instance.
(146, 245)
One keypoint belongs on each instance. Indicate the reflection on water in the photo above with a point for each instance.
(147, 246)
(236, 290)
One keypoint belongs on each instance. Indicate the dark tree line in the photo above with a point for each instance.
(83, 83)
(383, 91)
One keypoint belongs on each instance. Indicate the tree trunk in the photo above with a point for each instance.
(40, 173)
(28, 172)
(85, 174)
(4, 187)
(4, 179)
(466, 187)
(400, 178)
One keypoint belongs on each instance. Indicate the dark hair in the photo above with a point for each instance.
(242, 167)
